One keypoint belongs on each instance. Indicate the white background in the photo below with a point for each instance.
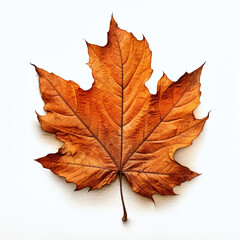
(35, 204)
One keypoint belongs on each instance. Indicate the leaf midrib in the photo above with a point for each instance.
(83, 165)
(121, 148)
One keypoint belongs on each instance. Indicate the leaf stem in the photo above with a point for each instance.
(124, 218)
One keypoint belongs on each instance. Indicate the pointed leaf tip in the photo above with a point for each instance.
(36, 69)
(34, 66)
(113, 23)
(201, 67)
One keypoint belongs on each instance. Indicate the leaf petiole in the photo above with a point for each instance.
(124, 218)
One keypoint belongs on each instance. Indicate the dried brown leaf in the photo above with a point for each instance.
(117, 127)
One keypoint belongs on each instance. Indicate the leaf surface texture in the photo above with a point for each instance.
(117, 127)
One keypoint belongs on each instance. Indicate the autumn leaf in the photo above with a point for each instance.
(117, 127)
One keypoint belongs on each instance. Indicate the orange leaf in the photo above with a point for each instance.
(117, 127)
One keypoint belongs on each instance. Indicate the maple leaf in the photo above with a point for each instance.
(117, 127)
